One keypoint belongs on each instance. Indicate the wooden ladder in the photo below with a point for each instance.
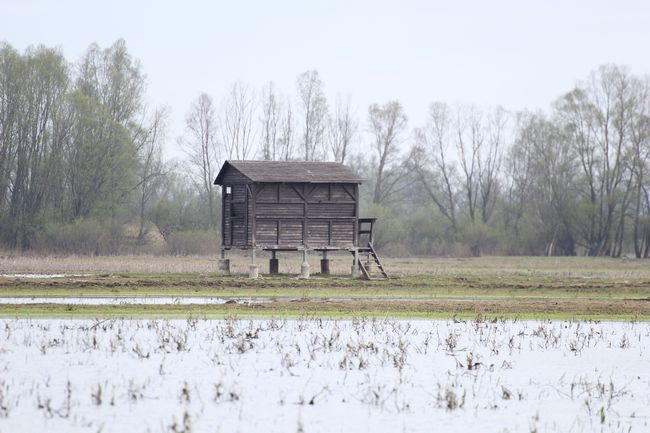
(370, 249)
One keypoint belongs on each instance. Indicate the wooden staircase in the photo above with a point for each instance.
(369, 272)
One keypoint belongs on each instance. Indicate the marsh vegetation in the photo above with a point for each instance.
(315, 375)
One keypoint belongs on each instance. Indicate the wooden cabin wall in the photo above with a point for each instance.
(250, 212)
(317, 215)
(226, 226)
(236, 227)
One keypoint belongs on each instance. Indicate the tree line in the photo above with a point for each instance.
(82, 168)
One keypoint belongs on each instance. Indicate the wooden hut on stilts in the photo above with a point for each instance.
(295, 206)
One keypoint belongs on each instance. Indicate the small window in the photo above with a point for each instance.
(228, 190)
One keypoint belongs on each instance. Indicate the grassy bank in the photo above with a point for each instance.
(308, 309)
(495, 287)
(561, 267)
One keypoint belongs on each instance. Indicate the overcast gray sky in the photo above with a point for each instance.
(518, 54)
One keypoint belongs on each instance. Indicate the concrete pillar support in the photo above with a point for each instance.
(355, 264)
(304, 268)
(223, 264)
(253, 269)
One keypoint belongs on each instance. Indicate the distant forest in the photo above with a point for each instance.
(82, 169)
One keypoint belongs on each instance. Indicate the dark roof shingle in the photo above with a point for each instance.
(292, 171)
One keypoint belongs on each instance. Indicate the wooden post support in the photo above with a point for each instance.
(325, 264)
(274, 264)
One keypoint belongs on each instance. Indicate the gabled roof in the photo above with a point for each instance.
(291, 171)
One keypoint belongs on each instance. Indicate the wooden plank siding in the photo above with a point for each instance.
(288, 215)
(234, 211)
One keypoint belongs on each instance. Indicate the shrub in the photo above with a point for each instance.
(83, 236)
(193, 242)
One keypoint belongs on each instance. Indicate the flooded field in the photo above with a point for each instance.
(323, 376)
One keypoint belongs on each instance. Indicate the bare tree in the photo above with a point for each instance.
(479, 139)
(151, 168)
(237, 122)
(431, 162)
(479, 142)
(489, 162)
(387, 123)
(270, 120)
(11, 76)
(640, 147)
(342, 129)
(597, 115)
(518, 168)
(314, 110)
(470, 137)
(200, 146)
(287, 132)
(542, 185)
